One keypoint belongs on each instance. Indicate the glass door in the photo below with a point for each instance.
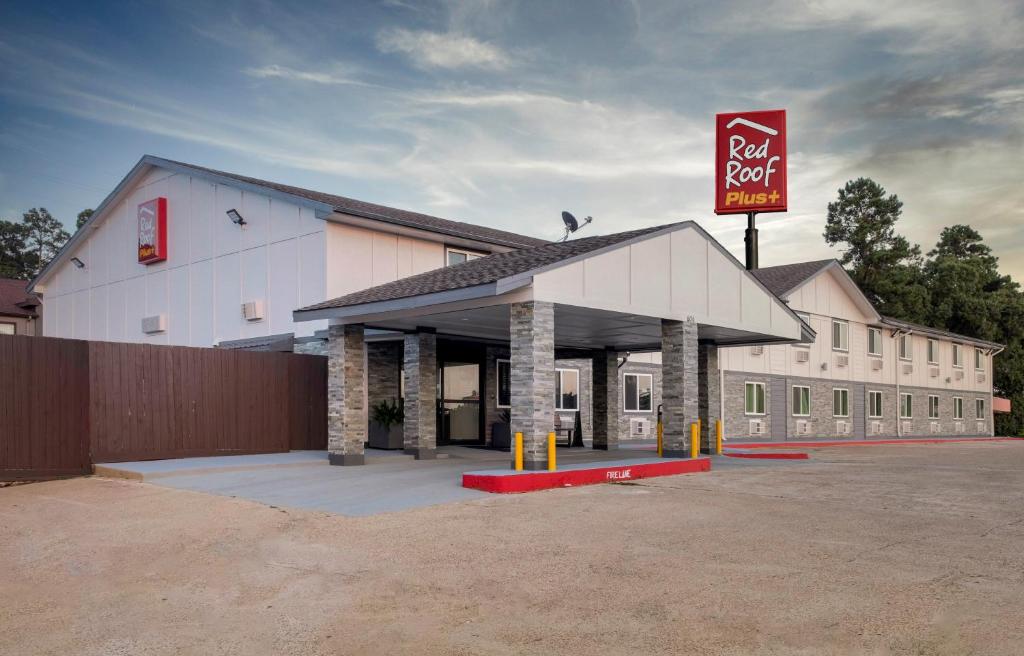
(460, 402)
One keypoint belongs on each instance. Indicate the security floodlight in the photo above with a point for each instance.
(78, 263)
(235, 217)
(572, 225)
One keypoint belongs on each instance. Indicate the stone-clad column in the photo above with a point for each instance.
(679, 385)
(532, 327)
(346, 407)
(709, 395)
(607, 408)
(420, 430)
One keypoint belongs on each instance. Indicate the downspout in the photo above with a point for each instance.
(896, 335)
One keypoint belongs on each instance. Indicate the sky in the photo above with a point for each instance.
(505, 113)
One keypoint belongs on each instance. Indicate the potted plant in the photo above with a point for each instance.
(501, 431)
(387, 421)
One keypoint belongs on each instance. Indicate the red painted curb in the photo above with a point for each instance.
(768, 456)
(908, 440)
(511, 482)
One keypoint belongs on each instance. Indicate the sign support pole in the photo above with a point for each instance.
(750, 239)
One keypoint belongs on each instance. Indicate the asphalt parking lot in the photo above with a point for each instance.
(903, 549)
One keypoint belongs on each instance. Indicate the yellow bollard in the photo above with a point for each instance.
(718, 437)
(694, 440)
(551, 452)
(661, 437)
(519, 452)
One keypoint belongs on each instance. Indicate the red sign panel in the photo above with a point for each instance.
(153, 231)
(750, 162)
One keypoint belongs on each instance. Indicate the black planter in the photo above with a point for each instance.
(501, 435)
(385, 437)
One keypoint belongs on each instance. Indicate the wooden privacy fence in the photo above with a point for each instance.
(113, 402)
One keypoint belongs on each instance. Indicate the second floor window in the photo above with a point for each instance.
(933, 351)
(874, 341)
(840, 335)
(458, 256)
(905, 351)
(979, 359)
(958, 355)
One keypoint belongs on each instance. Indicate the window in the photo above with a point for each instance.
(458, 256)
(638, 392)
(933, 406)
(840, 403)
(958, 357)
(806, 319)
(840, 336)
(567, 389)
(905, 348)
(875, 404)
(979, 359)
(906, 406)
(933, 351)
(753, 403)
(801, 401)
(874, 341)
(979, 408)
(504, 385)
(958, 407)
(7, 328)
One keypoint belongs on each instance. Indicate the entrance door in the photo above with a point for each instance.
(459, 409)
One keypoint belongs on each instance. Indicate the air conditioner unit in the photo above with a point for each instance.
(756, 427)
(933, 372)
(907, 427)
(842, 360)
(803, 427)
(843, 427)
(803, 355)
(935, 427)
(639, 427)
(908, 368)
(756, 350)
(876, 365)
(154, 324)
(252, 311)
(981, 378)
(981, 426)
(958, 427)
(959, 375)
(876, 428)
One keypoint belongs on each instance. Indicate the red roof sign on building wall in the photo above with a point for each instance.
(750, 162)
(153, 231)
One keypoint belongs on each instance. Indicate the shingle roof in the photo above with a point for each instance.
(937, 332)
(782, 279)
(15, 301)
(389, 214)
(484, 270)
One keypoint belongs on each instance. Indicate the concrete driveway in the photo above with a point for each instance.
(390, 481)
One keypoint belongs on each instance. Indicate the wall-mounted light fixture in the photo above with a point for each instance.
(78, 263)
(235, 217)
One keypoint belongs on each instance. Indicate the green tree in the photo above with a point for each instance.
(83, 216)
(44, 237)
(885, 265)
(15, 259)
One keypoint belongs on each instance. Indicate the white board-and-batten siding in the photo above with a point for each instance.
(213, 267)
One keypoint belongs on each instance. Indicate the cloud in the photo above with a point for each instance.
(286, 73)
(445, 51)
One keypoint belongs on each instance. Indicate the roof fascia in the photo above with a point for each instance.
(398, 304)
(359, 221)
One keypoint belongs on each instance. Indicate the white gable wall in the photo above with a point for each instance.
(701, 282)
(213, 267)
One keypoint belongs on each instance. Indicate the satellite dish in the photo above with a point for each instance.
(571, 224)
